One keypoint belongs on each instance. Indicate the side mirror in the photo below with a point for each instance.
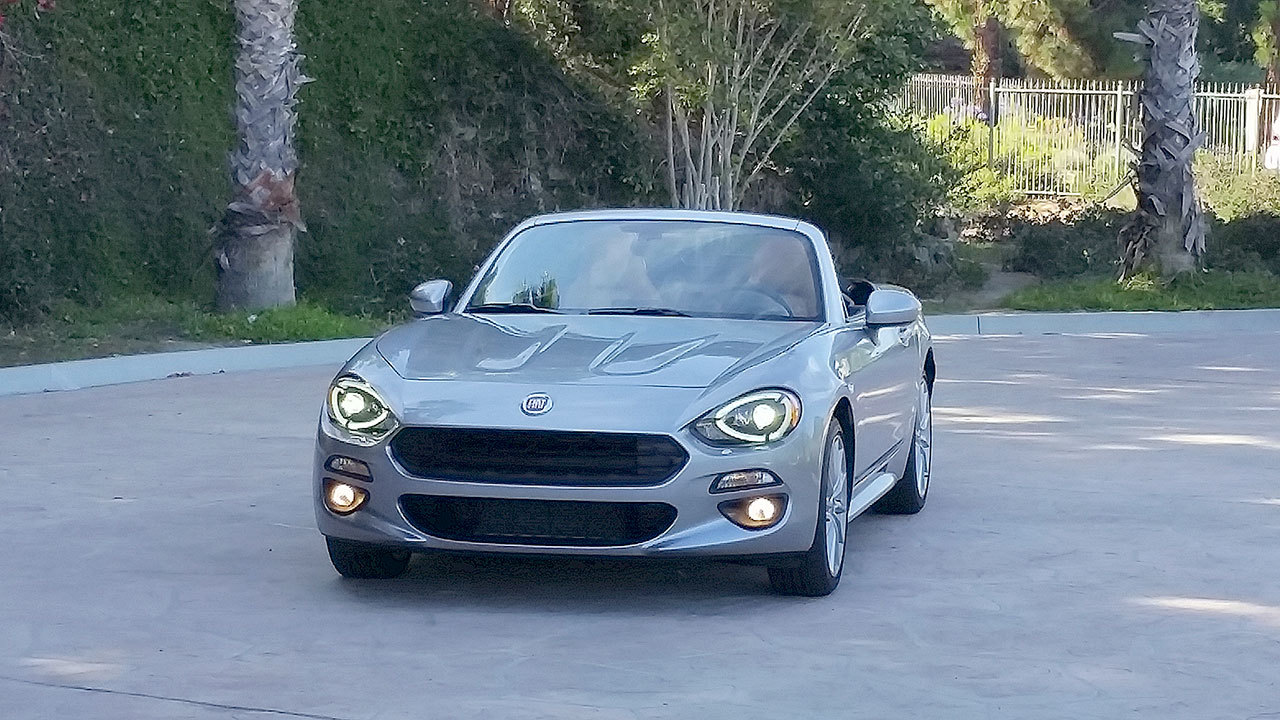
(889, 306)
(430, 297)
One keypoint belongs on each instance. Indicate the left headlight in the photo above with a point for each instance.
(758, 417)
(357, 408)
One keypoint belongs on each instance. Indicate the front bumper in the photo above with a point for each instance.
(699, 527)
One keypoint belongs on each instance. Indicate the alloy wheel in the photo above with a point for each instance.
(837, 503)
(924, 438)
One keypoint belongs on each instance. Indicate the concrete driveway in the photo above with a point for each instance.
(1102, 541)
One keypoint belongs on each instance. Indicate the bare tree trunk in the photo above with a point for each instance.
(761, 74)
(1168, 232)
(255, 259)
(1273, 66)
(498, 9)
(668, 96)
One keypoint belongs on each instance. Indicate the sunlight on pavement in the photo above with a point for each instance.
(1219, 439)
(1268, 614)
(1106, 335)
(989, 416)
(1003, 433)
(63, 667)
(1127, 390)
(1104, 396)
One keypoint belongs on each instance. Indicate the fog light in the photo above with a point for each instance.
(342, 498)
(762, 510)
(755, 513)
(744, 479)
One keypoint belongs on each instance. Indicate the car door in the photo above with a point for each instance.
(905, 366)
(870, 360)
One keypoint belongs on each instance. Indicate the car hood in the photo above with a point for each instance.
(585, 349)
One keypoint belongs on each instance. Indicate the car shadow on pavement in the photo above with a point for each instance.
(600, 584)
(580, 583)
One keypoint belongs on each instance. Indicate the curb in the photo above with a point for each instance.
(1139, 323)
(79, 374)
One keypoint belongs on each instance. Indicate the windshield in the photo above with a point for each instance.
(654, 267)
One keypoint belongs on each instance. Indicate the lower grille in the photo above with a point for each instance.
(537, 522)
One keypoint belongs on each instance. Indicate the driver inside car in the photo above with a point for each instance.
(598, 286)
(782, 270)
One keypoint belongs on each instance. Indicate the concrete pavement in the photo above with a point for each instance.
(1101, 541)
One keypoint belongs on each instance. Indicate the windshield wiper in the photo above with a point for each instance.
(510, 308)
(666, 312)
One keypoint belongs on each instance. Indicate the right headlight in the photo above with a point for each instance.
(758, 417)
(356, 407)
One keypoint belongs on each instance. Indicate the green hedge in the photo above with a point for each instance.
(115, 121)
(428, 131)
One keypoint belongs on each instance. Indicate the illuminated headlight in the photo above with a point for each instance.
(357, 408)
(759, 417)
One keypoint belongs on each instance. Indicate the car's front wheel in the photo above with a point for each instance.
(819, 569)
(364, 561)
(912, 489)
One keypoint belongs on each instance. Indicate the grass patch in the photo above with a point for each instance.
(292, 324)
(1213, 290)
(133, 325)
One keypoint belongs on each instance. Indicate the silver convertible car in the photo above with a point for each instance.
(633, 383)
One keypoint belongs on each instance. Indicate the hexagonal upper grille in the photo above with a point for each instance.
(538, 457)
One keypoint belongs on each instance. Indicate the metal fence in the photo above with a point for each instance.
(1077, 137)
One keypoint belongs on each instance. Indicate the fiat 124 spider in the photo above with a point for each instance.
(633, 383)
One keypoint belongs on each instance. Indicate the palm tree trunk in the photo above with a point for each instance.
(1168, 233)
(255, 259)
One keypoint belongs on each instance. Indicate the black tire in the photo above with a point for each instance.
(905, 498)
(812, 576)
(364, 561)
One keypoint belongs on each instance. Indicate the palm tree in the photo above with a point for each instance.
(255, 257)
(1167, 233)
(1266, 37)
(1046, 34)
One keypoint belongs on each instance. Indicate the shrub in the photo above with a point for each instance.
(1231, 192)
(872, 191)
(970, 273)
(1249, 242)
(1028, 152)
(1067, 246)
(1244, 223)
(963, 143)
